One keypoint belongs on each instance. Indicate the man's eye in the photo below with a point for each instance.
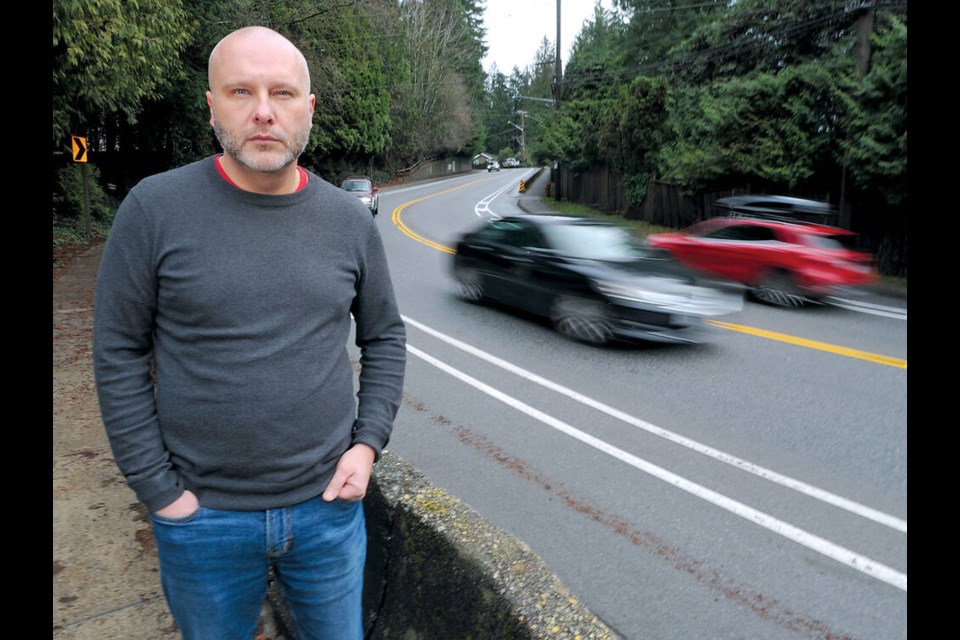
(283, 92)
(240, 92)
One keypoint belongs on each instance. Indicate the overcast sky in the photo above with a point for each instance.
(515, 29)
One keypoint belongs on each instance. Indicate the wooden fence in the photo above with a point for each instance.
(665, 204)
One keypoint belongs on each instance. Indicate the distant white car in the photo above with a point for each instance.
(493, 166)
(511, 163)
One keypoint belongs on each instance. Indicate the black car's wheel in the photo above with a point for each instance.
(583, 320)
(778, 289)
(470, 285)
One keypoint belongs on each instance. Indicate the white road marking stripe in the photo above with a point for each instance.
(820, 545)
(785, 481)
(866, 307)
(483, 207)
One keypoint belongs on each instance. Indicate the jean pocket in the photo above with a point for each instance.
(190, 517)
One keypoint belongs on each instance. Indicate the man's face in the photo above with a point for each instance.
(260, 106)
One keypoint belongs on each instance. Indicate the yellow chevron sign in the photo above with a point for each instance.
(79, 148)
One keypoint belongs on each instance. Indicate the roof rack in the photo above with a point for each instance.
(780, 208)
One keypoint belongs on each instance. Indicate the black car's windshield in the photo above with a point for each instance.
(355, 185)
(592, 241)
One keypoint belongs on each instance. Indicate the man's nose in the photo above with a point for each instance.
(264, 112)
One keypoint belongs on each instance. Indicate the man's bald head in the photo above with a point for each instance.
(257, 39)
(261, 108)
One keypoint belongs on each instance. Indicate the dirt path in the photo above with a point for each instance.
(105, 578)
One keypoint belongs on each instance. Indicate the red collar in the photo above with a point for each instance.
(223, 174)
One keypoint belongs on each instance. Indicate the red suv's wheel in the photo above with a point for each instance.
(778, 288)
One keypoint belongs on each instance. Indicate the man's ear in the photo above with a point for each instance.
(210, 105)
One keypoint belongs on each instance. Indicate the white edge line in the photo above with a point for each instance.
(483, 206)
(872, 309)
(785, 481)
(820, 545)
(395, 190)
(871, 305)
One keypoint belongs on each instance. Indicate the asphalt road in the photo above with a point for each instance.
(753, 486)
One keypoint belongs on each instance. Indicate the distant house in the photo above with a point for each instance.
(481, 160)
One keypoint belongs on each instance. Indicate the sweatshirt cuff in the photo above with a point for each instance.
(158, 494)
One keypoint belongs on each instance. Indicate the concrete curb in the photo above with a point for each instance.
(436, 570)
(448, 573)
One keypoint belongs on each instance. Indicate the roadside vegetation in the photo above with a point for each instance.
(639, 228)
(777, 96)
(73, 227)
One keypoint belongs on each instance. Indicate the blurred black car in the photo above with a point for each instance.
(590, 278)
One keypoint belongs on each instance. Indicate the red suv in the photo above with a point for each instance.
(784, 263)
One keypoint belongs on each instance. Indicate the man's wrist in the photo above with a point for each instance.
(367, 448)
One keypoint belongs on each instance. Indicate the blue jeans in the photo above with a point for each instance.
(214, 565)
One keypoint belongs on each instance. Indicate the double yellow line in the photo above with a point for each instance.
(407, 231)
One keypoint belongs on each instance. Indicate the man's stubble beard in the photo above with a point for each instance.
(233, 146)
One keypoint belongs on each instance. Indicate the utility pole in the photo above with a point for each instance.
(558, 71)
(557, 80)
(523, 138)
(861, 52)
(861, 55)
(519, 127)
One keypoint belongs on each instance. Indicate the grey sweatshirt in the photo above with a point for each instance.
(244, 303)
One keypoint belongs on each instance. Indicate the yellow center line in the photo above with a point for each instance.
(813, 344)
(407, 231)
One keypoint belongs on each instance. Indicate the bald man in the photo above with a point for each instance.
(223, 311)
